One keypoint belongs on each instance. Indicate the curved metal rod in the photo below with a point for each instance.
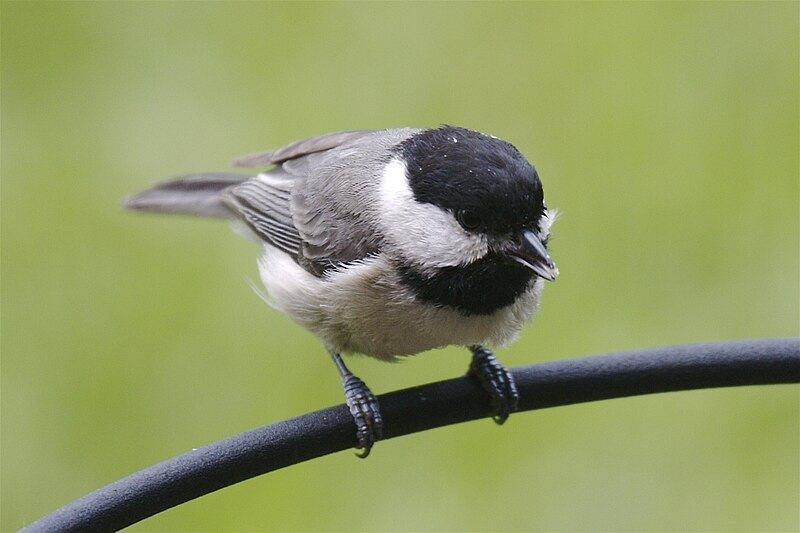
(550, 384)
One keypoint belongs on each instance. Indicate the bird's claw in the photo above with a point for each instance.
(497, 381)
(365, 411)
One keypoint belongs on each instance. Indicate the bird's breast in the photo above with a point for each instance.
(369, 307)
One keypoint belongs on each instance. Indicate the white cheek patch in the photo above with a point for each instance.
(423, 232)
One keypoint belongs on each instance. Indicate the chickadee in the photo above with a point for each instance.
(389, 243)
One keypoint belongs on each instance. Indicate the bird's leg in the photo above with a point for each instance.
(496, 380)
(363, 406)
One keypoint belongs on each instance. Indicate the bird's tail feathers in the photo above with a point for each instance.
(196, 194)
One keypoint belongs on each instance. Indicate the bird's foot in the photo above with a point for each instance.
(366, 412)
(495, 380)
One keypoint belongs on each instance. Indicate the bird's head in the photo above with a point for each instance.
(453, 197)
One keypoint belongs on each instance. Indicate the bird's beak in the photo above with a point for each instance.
(530, 251)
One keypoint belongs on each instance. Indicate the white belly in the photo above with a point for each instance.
(365, 308)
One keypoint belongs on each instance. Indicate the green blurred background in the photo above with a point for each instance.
(666, 133)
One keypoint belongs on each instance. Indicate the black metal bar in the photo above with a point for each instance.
(550, 384)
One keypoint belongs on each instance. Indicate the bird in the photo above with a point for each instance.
(389, 243)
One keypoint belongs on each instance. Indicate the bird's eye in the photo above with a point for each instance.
(468, 219)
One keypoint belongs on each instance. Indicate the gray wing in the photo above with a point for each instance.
(263, 202)
(300, 148)
(272, 208)
(335, 207)
(315, 205)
